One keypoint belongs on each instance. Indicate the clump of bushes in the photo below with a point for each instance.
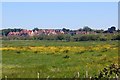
(66, 51)
(67, 37)
(112, 71)
(104, 50)
(35, 52)
(80, 52)
(18, 52)
(66, 56)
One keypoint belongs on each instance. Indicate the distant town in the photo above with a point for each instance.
(82, 34)
(36, 31)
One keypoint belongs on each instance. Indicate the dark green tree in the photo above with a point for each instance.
(86, 28)
(35, 29)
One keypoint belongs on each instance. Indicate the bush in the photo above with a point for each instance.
(118, 37)
(67, 37)
(18, 52)
(88, 37)
(109, 72)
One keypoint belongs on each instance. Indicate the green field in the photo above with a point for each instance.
(56, 59)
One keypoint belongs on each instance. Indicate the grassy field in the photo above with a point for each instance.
(56, 59)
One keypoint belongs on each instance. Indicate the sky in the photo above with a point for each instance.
(58, 15)
(59, 0)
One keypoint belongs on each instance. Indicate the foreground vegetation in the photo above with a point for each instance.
(57, 59)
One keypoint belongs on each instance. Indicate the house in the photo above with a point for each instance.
(25, 32)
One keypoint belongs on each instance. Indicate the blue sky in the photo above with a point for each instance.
(59, 0)
(57, 15)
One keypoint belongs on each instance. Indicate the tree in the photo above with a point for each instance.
(65, 30)
(67, 37)
(113, 28)
(60, 37)
(86, 28)
(6, 31)
(35, 29)
(80, 29)
(118, 30)
(99, 31)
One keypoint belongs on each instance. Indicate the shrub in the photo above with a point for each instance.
(109, 72)
(66, 56)
(18, 52)
(66, 51)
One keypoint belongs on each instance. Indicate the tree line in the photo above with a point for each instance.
(67, 37)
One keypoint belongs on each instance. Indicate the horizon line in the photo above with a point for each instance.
(61, 28)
